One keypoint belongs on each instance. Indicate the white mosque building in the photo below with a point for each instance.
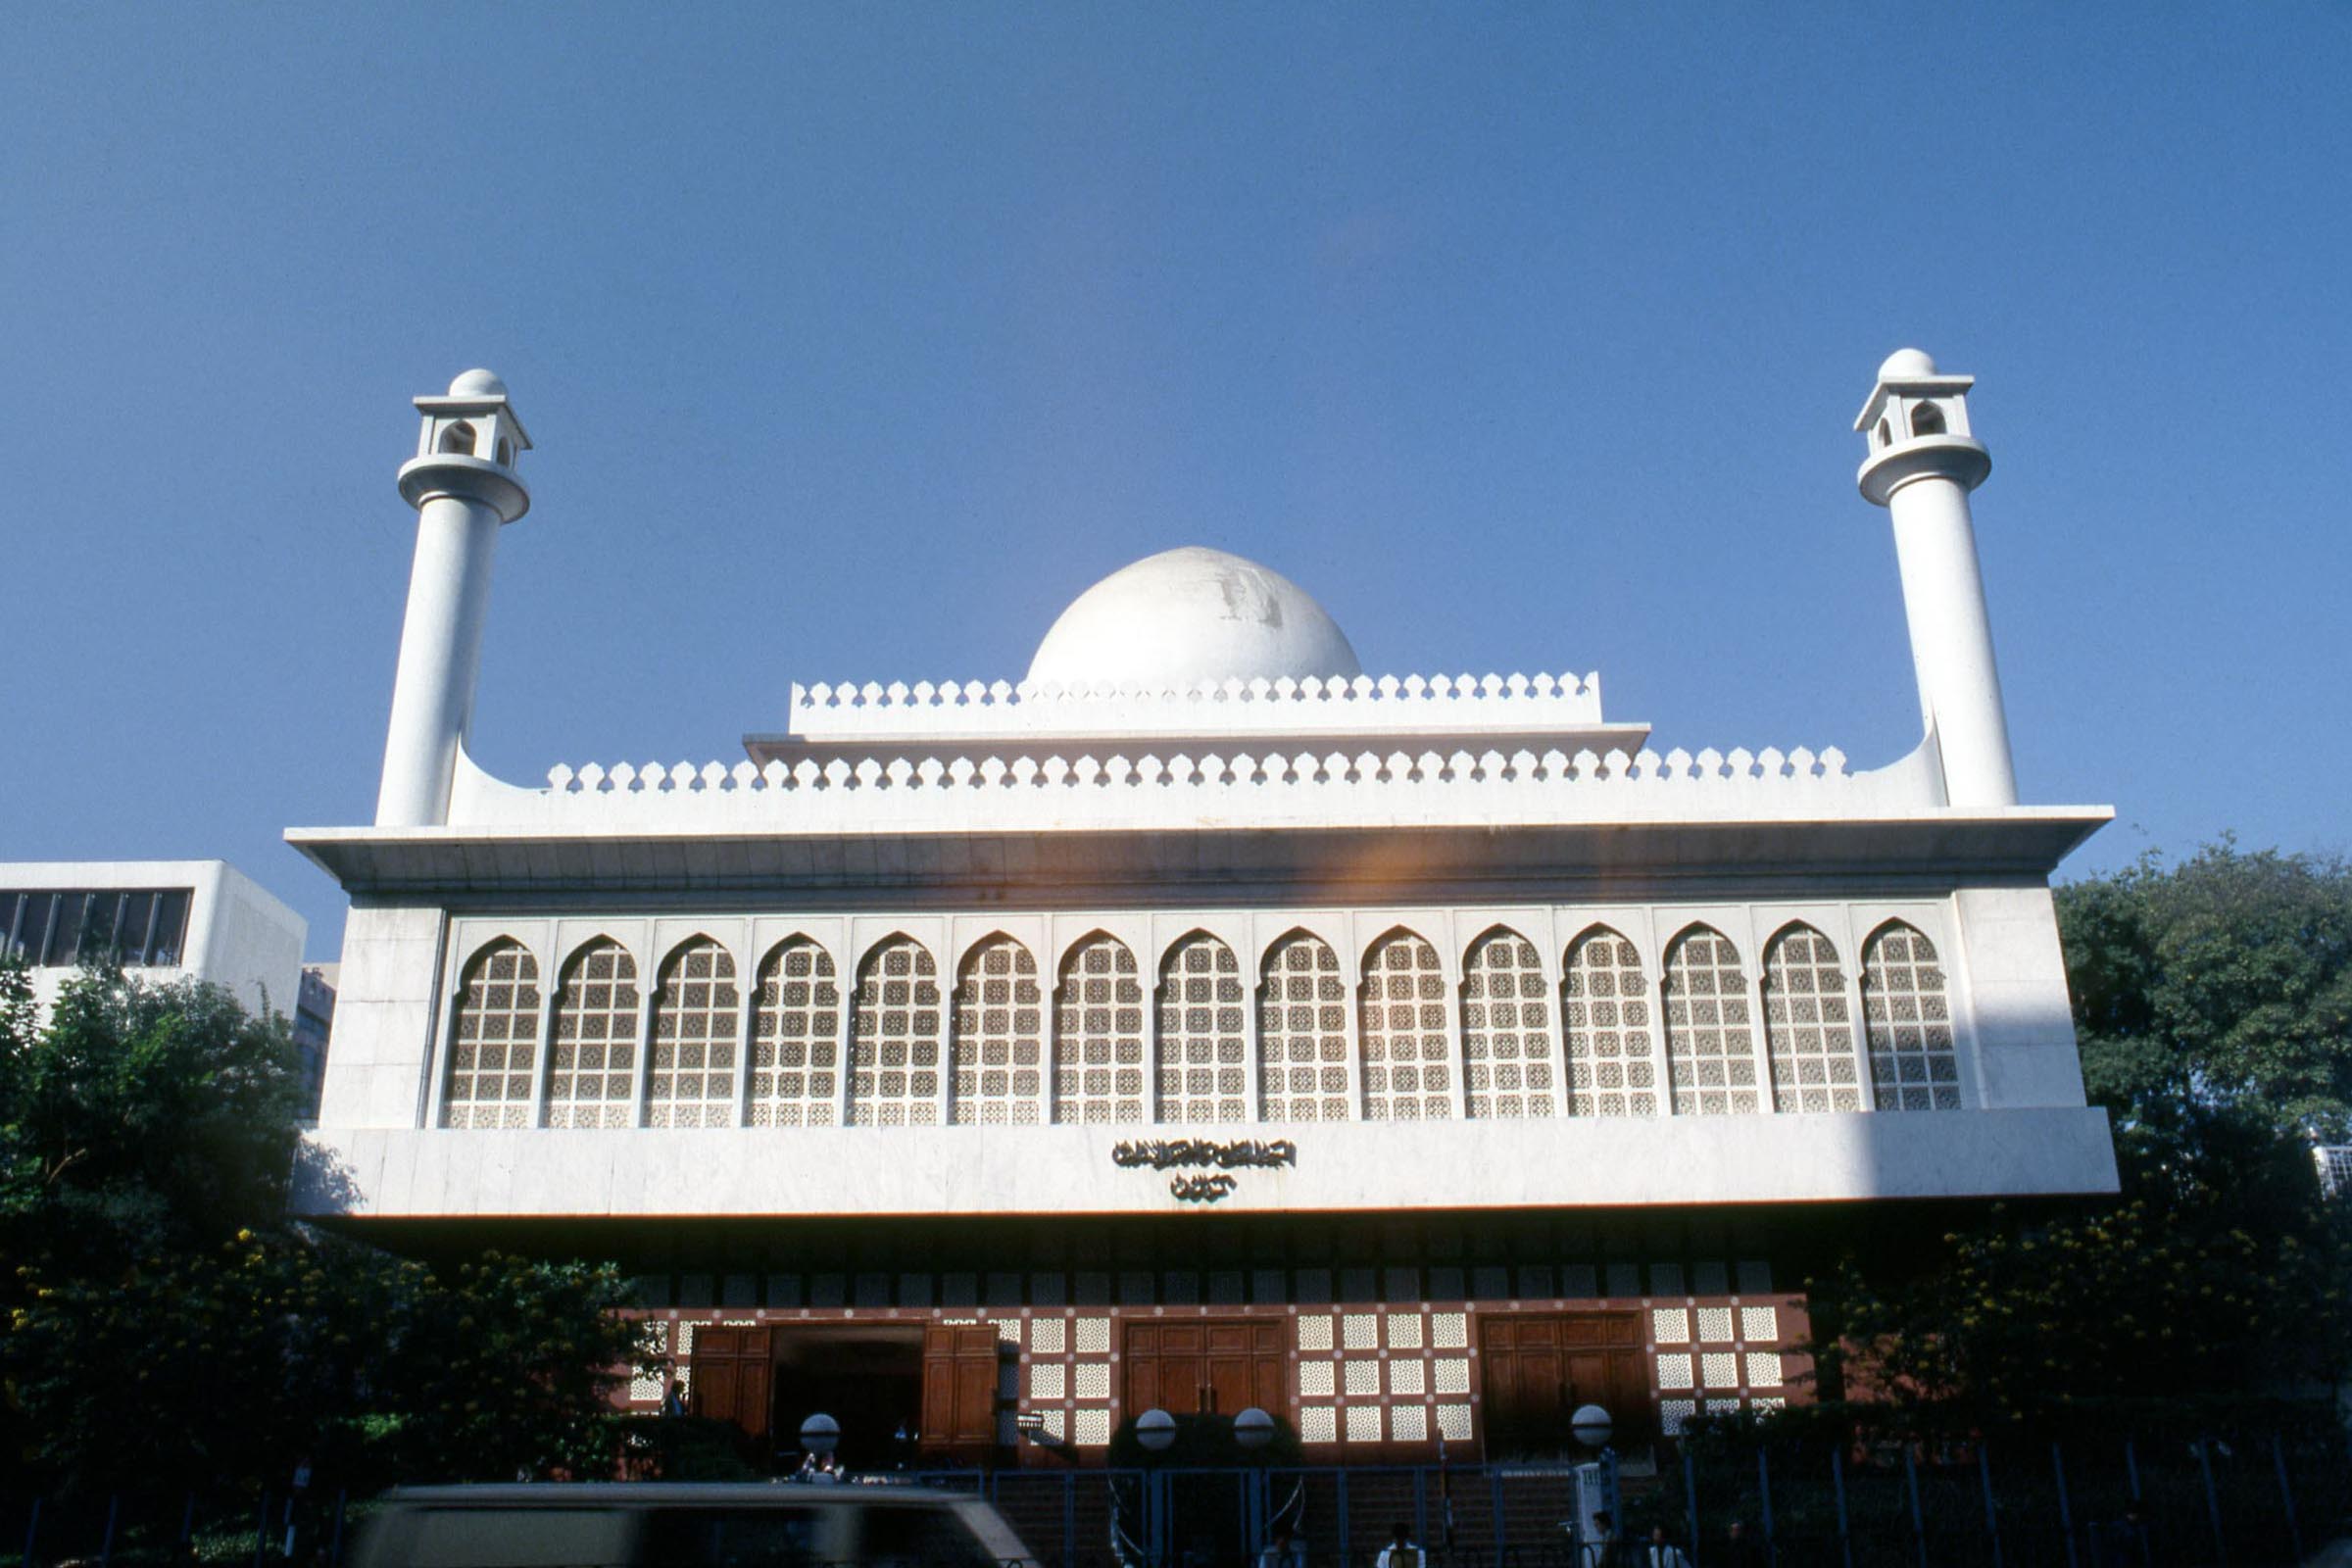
(1202, 1021)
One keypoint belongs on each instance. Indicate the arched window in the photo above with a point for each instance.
(1807, 1032)
(1908, 1019)
(457, 438)
(1606, 1021)
(1407, 1053)
(592, 1072)
(1099, 1035)
(1925, 419)
(1885, 433)
(1506, 1028)
(1303, 1032)
(997, 1052)
(1203, 1066)
(894, 1037)
(693, 1078)
(796, 1022)
(506, 451)
(494, 1047)
(1710, 1050)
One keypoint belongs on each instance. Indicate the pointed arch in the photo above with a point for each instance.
(894, 1037)
(1408, 1043)
(691, 1081)
(1203, 1072)
(592, 1071)
(1099, 1034)
(796, 1044)
(1927, 418)
(1710, 1043)
(1604, 1018)
(1808, 1032)
(1506, 1028)
(1302, 1032)
(997, 1045)
(493, 1041)
(1907, 1016)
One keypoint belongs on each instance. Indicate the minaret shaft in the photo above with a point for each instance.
(440, 656)
(1951, 640)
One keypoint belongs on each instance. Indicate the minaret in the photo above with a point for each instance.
(462, 483)
(1922, 464)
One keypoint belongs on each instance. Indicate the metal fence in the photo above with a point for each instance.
(2242, 1503)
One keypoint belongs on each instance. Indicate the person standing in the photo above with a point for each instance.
(1659, 1552)
(1400, 1551)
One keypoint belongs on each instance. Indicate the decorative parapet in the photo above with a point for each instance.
(881, 794)
(1364, 705)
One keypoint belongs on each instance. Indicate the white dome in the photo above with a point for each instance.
(1189, 615)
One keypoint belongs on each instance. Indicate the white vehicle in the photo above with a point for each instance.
(664, 1525)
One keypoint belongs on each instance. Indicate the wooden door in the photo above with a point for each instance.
(1541, 1366)
(959, 1391)
(732, 1373)
(1205, 1365)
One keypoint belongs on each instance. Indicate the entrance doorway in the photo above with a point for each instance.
(1539, 1366)
(1205, 1365)
(869, 1377)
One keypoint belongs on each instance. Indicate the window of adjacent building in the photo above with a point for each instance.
(1710, 1049)
(62, 928)
(592, 1069)
(1506, 1028)
(1099, 1035)
(1203, 1066)
(494, 1045)
(1605, 1014)
(1303, 1032)
(1808, 1031)
(1908, 1019)
(795, 1025)
(997, 1050)
(1406, 1051)
(691, 1081)
(894, 1037)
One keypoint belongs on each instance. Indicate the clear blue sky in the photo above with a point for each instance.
(857, 340)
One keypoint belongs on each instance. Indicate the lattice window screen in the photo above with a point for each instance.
(1807, 1030)
(1506, 1028)
(1710, 1049)
(693, 1079)
(1203, 1072)
(1099, 1035)
(1905, 1013)
(894, 1037)
(1303, 1032)
(495, 1046)
(1407, 1053)
(592, 1072)
(1610, 1070)
(999, 1049)
(796, 1026)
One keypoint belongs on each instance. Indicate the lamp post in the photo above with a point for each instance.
(1593, 1427)
(1253, 1430)
(820, 1435)
(1155, 1431)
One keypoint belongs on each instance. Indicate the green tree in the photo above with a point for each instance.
(2213, 1001)
(167, 1324)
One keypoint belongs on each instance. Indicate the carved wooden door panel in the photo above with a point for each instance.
(732, 1372)
(959, 1391)
(1202, 1365)
(1541, 1366)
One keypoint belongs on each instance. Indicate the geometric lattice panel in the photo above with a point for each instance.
(1303, 1032)
(1506, 1028)
(796, 1038)
(1710, 1052)
(1099, 1035)
(998, 1046)
(1203, 1077)
(1806, 1028)
(894, 1037)
(1406, 1051)
(492, 1060)
(1905, 1013)
(592, 1074)
(1610, 1073)
(692, 1082)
